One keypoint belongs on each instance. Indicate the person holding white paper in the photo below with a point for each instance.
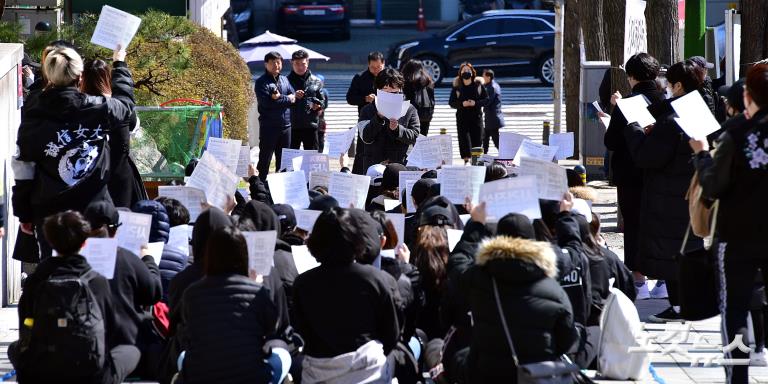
(135, 284)
(642, 70)
(664, 156)
(468, 96)
(385, 140)
(176, 254)
(62, 154)
(67, 232)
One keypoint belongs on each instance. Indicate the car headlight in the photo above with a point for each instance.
(402, 48)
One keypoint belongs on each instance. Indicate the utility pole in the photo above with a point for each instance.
(695, 27)
(557, 92)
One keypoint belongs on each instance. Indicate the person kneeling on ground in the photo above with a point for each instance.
(66, 316)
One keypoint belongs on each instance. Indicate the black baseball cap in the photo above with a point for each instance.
(436, 214)
(101, 213)
(286, 215)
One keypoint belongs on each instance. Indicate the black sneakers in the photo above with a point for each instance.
(668, 315)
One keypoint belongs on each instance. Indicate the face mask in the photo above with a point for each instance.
(466, 75)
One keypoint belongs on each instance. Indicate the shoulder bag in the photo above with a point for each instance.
(544, 372)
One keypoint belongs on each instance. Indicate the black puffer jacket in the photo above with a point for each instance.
(536, 308)
(624, 172)
(302, 116)
(135, 286)
(665, 157)
(274, 115)
(228, 319)
(63, 157)
(384, 144)
(361, 86)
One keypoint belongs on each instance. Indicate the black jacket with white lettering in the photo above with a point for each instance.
(63, 157)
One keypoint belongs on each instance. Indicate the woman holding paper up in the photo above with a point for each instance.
(662, 152)
(468, 96)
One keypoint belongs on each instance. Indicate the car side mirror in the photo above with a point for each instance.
(461, 36)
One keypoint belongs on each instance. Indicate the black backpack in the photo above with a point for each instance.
(68, 333)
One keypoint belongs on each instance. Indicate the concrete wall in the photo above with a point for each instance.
(208, 14)
(10, 117)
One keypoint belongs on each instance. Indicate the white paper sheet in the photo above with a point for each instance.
(551, 178)
(454, 235)
(178, 238)
(457, 183)
(115, 27)
(487, 159)
(349, 189)
(596, 104)
(465, 218)
(319, 179)
(537, 151)
(243, 161)
(390, 204)
(512, 195)
(391, 105)
(227, 152)
(303, 258)
(288, 154)
(133, 231)
(311, 162)
(338, 143)
(509, 144)
(155, 250)
(101, 254)
(564, 144)
(635, 110)
(408, 188)
(289, 188)
(426, 153)
(261, 252)
(398, 221)
(605, 120)
(305, 218)
(403, 178)
(191, 198)
(215, 179)
(694, 117)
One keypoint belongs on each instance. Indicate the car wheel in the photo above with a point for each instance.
(547, 70)
(434, 67)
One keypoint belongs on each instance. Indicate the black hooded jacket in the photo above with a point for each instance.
(135, 286)
(623, 168)
(63, 156)
(535, 308)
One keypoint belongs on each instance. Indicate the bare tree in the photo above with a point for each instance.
(663, 30)
(613, 12)
(754, 31)
(572, 61)
(591, 16)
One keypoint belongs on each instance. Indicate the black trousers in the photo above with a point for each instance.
(308, 137)
(629, 198)
(470, 133)
(739, 267)
(272, 143)
(424, 127)
(320, 141)
(490, 134)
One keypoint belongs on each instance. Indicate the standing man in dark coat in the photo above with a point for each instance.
(384, 139)
(494, 117)
(642, 70)
(663, 153)
(305, 113)
(275, 96)
(362, 90)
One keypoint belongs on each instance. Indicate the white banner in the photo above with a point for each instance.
(635, 33)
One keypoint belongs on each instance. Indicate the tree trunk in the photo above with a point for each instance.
(591, 16)
(754, 32)
(663, 33)
(613, 11)
(572, 65)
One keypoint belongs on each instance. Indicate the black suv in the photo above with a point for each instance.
(314, 17)
(511, 42)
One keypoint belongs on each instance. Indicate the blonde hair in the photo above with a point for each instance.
(62, 67)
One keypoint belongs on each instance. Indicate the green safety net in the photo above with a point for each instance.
(171, 136)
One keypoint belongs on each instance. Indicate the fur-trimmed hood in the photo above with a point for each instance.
(478, 80)
(585, 193)
(533, 253)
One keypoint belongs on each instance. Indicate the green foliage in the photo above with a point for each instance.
(10, 32)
